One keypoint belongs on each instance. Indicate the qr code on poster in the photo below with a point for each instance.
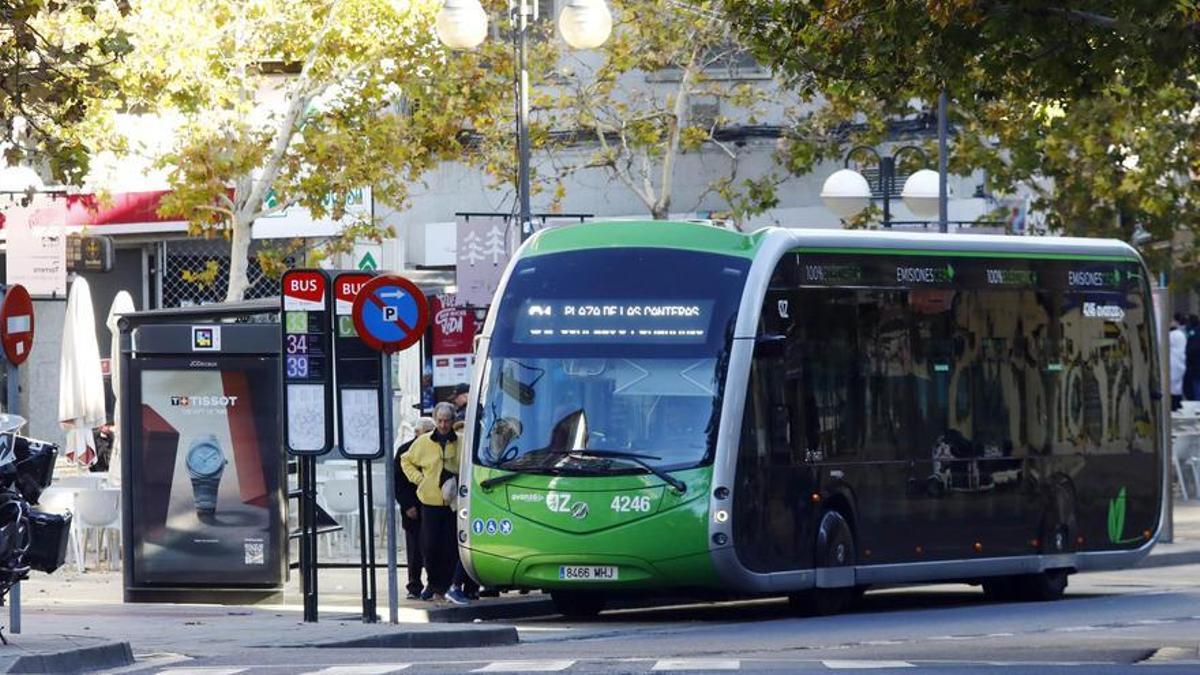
(254, 553)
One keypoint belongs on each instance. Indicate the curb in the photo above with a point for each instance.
(485, 611)
(78, 660)
(480, 636)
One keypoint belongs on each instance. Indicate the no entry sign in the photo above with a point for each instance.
(16, 324)
(390, 313)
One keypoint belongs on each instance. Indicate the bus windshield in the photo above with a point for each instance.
(591, 371)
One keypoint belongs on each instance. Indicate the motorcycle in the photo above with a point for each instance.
(29, 539)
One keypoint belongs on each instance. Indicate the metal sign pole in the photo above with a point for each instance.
(306, 589)
(14, 408)
(389, 488)
(365, 534)
(370, 527)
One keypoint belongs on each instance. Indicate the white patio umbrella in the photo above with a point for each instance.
(122, 304)
(80, 382)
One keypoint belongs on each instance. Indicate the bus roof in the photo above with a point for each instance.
(644, 234)
(712, 239)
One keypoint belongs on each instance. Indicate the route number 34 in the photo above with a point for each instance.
(624, 503)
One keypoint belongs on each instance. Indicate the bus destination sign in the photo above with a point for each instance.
(614, 320)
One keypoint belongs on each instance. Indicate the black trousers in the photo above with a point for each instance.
(439, 552)
(412, 548)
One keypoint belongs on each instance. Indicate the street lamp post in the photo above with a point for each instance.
(846, 192)
(584, 24)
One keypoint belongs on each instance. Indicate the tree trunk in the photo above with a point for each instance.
(239, 259)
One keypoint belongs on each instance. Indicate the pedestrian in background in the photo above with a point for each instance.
(1191, 375)
(431, 464)
(410, 516)
(459, 399)
(1178, 360)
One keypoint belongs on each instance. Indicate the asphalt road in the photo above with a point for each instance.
(1110, 622)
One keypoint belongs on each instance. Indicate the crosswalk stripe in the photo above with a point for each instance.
(865, 665)
(697, 664)
(524, 667)
(215, 670)
(373, 669)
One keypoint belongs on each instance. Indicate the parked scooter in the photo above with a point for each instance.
(29, 539)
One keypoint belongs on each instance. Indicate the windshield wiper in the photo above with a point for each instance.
(637, 458)
(640, 460)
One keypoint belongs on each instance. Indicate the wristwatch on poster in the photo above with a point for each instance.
(205, 464)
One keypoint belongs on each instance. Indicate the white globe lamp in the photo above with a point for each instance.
(462, 24)
(846, 193)
(585, 24)
(920, 193)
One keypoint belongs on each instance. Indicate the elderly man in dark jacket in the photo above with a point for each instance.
(410, 516)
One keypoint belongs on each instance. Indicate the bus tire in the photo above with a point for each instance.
(1043, 586)
(577, 604)
(1000, 589)
(834, 548)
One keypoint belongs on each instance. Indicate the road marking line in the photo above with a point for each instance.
(202, 671)
(865, 665)
(524, 667)
(697, 664)
(376, 669)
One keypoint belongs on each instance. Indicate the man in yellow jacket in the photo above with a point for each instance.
(430, 461)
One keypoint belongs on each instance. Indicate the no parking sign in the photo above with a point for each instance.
(390, 313)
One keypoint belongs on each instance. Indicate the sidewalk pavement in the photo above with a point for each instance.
(77, 621)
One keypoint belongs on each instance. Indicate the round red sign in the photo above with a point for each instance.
(390, 313)
(16, 324)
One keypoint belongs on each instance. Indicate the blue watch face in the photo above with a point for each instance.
(205, 458)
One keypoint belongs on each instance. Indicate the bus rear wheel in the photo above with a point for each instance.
(577, 604)
(1043, 586)
(1039, 587)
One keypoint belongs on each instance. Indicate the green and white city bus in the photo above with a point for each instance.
(679, 407)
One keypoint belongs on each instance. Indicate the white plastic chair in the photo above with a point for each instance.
(86, 481)
(379, 502)
(340, 499)
(100, 511)
(1185, 452)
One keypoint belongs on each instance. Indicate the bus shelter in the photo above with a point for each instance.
(204, 471)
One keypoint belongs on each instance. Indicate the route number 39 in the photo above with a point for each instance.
(624, 503)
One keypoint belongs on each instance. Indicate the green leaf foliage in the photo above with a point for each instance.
(1091, 105)
(282, 103)
(56, 70)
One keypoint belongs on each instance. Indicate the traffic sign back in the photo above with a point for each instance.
(390, 313)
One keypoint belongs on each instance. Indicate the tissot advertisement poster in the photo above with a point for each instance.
(206, 494)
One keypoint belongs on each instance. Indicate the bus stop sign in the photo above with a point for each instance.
(390, 313)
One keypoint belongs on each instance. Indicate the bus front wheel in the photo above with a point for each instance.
(577, 604)
(834, 548)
